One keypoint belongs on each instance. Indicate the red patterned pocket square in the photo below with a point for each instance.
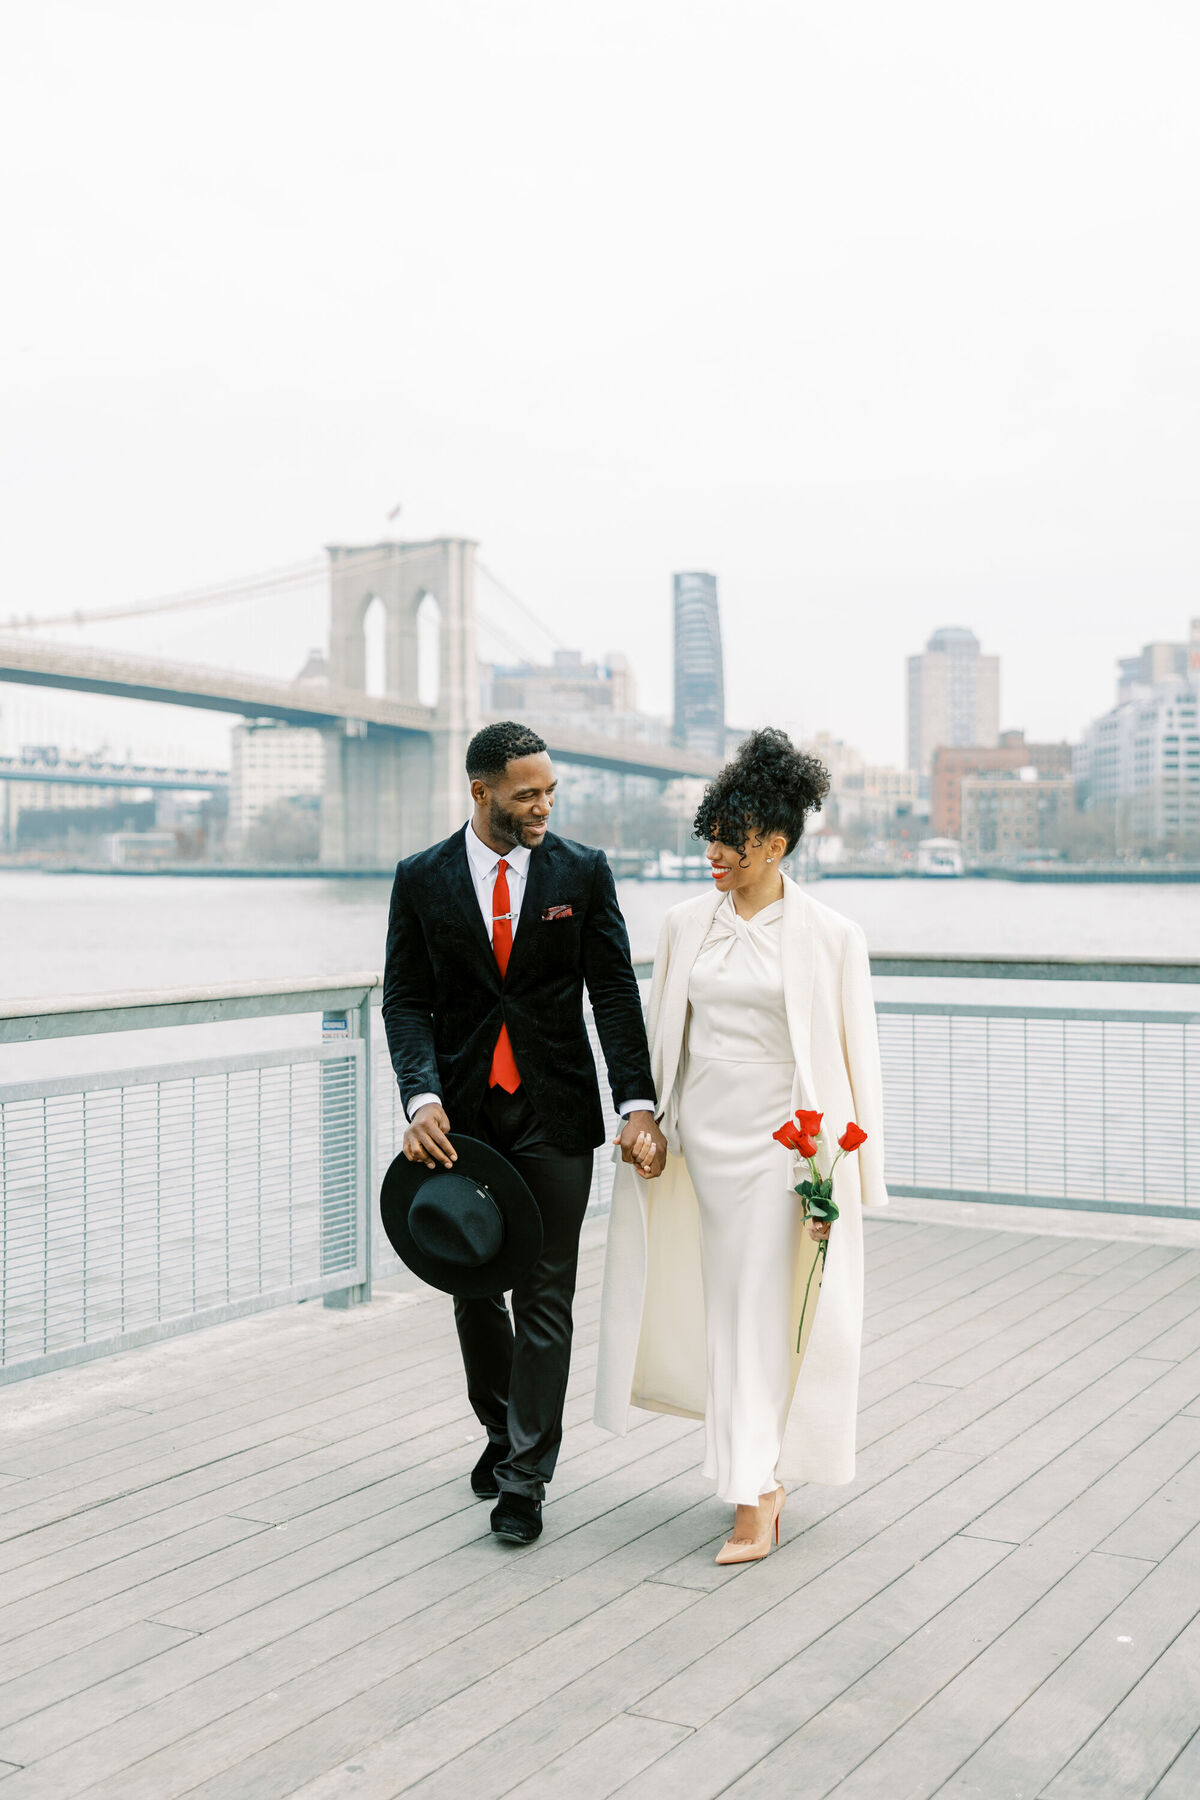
(558, 912)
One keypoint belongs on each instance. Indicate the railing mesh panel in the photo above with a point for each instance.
(127, 1206)
(1044, 1108)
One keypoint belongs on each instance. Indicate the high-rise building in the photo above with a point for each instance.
(1142, 758)
(699, 666)
(953, 696)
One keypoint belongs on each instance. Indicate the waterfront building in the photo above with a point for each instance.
(953, 696)
(1013, 812)
(699, 665)
(1142, 760)
(588, 699)
(862, 795)
(570, 693)
(270, 762)
(952, 765)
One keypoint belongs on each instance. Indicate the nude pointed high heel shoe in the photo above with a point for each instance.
(754, 1549)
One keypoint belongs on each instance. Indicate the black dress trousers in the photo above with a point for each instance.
(517, 1367)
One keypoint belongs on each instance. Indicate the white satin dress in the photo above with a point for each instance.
(735, 1089)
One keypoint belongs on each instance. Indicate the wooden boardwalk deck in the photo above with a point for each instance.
(246, 1563)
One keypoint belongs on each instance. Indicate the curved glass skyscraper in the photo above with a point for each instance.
(699, 666)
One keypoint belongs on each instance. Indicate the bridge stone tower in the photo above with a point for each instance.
(402, 620)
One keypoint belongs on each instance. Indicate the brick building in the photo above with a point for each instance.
(952, 764)
(1013, 812)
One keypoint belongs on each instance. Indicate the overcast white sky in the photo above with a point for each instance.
(884, 312)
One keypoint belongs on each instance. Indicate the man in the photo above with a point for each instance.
(491, 938)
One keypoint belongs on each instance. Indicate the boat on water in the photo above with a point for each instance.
(939, 857)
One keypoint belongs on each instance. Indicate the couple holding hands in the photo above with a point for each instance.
(760, 1006)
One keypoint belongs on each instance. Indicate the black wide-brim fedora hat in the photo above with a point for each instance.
(471, 1230)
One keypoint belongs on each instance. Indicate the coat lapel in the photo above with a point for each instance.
(799, 964)
(675, 995)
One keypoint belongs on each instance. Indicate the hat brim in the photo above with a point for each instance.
(513, 1196)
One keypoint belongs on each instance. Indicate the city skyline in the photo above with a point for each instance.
(179, 735)
(998, 791)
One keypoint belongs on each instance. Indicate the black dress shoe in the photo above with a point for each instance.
(483, 1475)
(517, 1518)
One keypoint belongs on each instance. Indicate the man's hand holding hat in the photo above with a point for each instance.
(427, 1139)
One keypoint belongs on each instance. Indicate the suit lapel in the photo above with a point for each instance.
(460, 886)
(798, 975)
(539, 876)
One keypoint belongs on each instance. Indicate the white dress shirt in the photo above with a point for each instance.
(484, 862)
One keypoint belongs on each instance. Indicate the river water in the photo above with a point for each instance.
(86, 934)
(76, 934)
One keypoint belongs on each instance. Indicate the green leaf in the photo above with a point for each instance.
(822, 1208)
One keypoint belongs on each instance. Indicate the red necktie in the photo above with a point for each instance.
(504, 1072)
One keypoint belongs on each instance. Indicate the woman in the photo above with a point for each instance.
(761, 1005)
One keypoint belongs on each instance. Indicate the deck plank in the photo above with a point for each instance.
(1143, 1736)
(931, 1745)
(602, 1762)
(1182, 1780)
(818, 1758)
(1040, 1738)
(253, 1654)
(247, 1563)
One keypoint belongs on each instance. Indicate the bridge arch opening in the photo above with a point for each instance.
(429, 650)
(374, 630)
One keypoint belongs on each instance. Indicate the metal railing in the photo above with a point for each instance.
(141, 1202)
(1091, 1109)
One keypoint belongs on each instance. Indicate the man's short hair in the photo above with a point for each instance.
(491, 750)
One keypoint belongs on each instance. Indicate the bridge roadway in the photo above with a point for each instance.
(316, 704)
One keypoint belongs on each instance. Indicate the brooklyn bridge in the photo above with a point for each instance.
(394, 744)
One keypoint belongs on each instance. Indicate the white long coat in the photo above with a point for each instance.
(652, 1347)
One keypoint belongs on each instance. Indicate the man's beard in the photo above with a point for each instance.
(508, 827)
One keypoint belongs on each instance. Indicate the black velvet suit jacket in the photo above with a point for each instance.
(444, 1000)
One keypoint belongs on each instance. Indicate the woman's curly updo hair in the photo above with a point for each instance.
(769, 786)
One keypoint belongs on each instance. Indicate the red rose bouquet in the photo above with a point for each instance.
(803, 1135)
